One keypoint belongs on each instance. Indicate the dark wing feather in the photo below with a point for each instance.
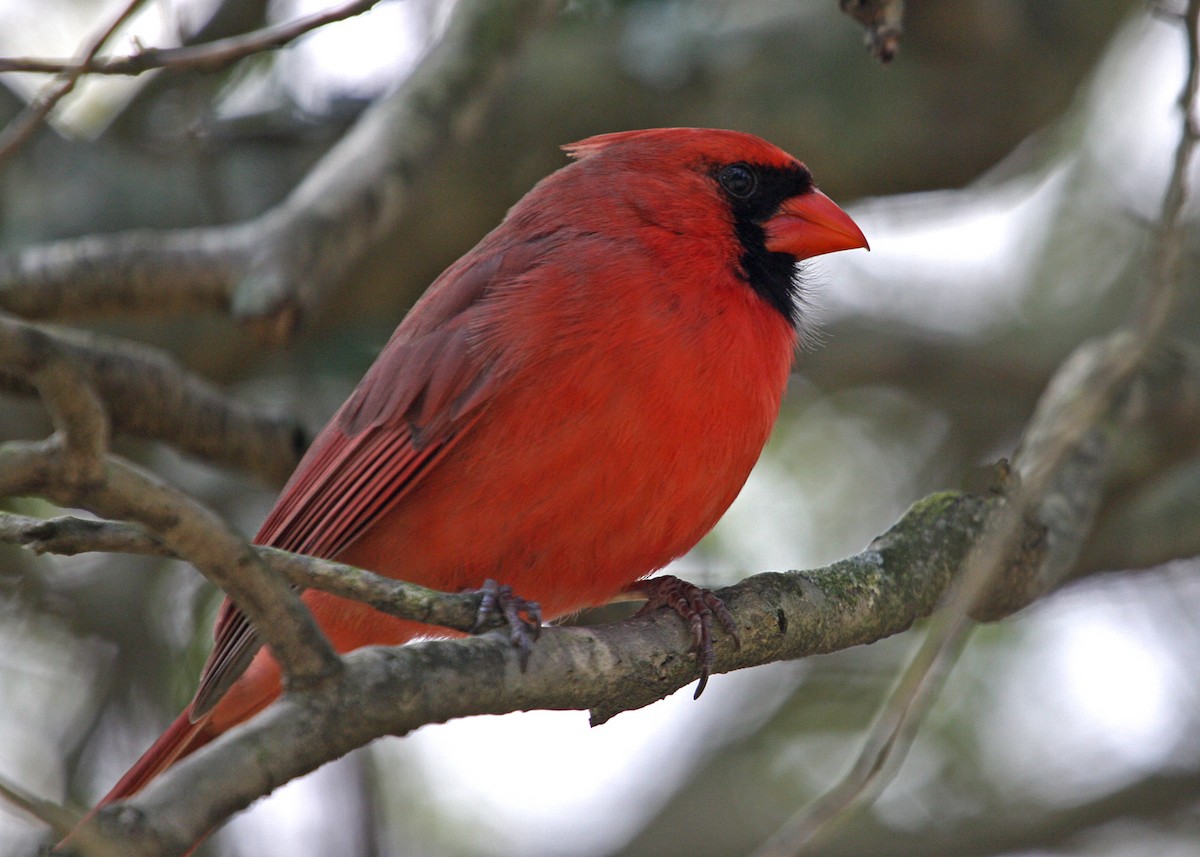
(422, 393)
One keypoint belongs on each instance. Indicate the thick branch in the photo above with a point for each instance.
(190, 531)
(882, 591)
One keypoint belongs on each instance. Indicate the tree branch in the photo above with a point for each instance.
(1064, 460)
(207, 57)
(273, 269)
(901, 577)
(73, 469)
(148, 395)
(608, 669)
(883, 23)
(21, 128)
(67, 535)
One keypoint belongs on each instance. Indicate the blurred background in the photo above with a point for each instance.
(1007, 168)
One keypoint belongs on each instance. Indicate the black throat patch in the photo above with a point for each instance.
(771, 275)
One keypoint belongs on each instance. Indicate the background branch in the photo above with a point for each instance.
(273, 269)
(1063, 463)
(205, 57)
(73, 469)
(14, 135)
(147, 394)
(883, 22)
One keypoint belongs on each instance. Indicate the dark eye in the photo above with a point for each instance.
(739, 180)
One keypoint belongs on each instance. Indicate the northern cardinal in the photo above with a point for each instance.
(571, 405)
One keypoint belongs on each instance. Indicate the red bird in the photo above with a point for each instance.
(571, 405)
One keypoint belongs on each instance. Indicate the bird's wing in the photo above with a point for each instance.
(421, 395)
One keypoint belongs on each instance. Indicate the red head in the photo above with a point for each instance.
(698, 182)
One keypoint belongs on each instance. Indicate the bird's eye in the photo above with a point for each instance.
(739, 180)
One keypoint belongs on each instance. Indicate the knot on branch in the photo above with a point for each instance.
(883, 22)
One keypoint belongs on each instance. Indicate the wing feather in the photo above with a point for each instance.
(424, 391)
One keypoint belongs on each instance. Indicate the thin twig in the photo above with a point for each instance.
(68, 535)
(206, 57)
(886, 745)
(1163, 281)
(21, 128)
(59, 818)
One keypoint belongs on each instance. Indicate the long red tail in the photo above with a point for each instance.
(181, 738)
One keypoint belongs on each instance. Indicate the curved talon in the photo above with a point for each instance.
(524, 618)
(696, 606)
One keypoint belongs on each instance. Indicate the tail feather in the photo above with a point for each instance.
(181, 738)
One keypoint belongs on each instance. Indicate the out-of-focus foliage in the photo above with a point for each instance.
(1007, 168)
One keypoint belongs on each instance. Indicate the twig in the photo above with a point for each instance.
(67, 535)
(59, 818)
(21, 128)
(884, 749)
(1163, 280)
(206, 57)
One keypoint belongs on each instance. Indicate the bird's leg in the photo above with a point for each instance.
(524, 618)
(697, 606)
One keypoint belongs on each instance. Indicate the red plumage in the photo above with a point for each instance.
(571, 405)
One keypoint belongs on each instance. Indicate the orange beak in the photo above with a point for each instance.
(811, 224)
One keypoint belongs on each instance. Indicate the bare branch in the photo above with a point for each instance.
(192, 532)
(1066, 451)
(21, 128)
(273, 269)
(207, 57)
(72, 469)
(67, 535)
(608, 669)
(148, 395)
(901, 577)
(60, 819)
(1063, 463)
(1163, 281)
(78, 417)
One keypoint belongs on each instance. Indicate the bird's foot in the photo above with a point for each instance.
(697, 606)
(524, 618)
